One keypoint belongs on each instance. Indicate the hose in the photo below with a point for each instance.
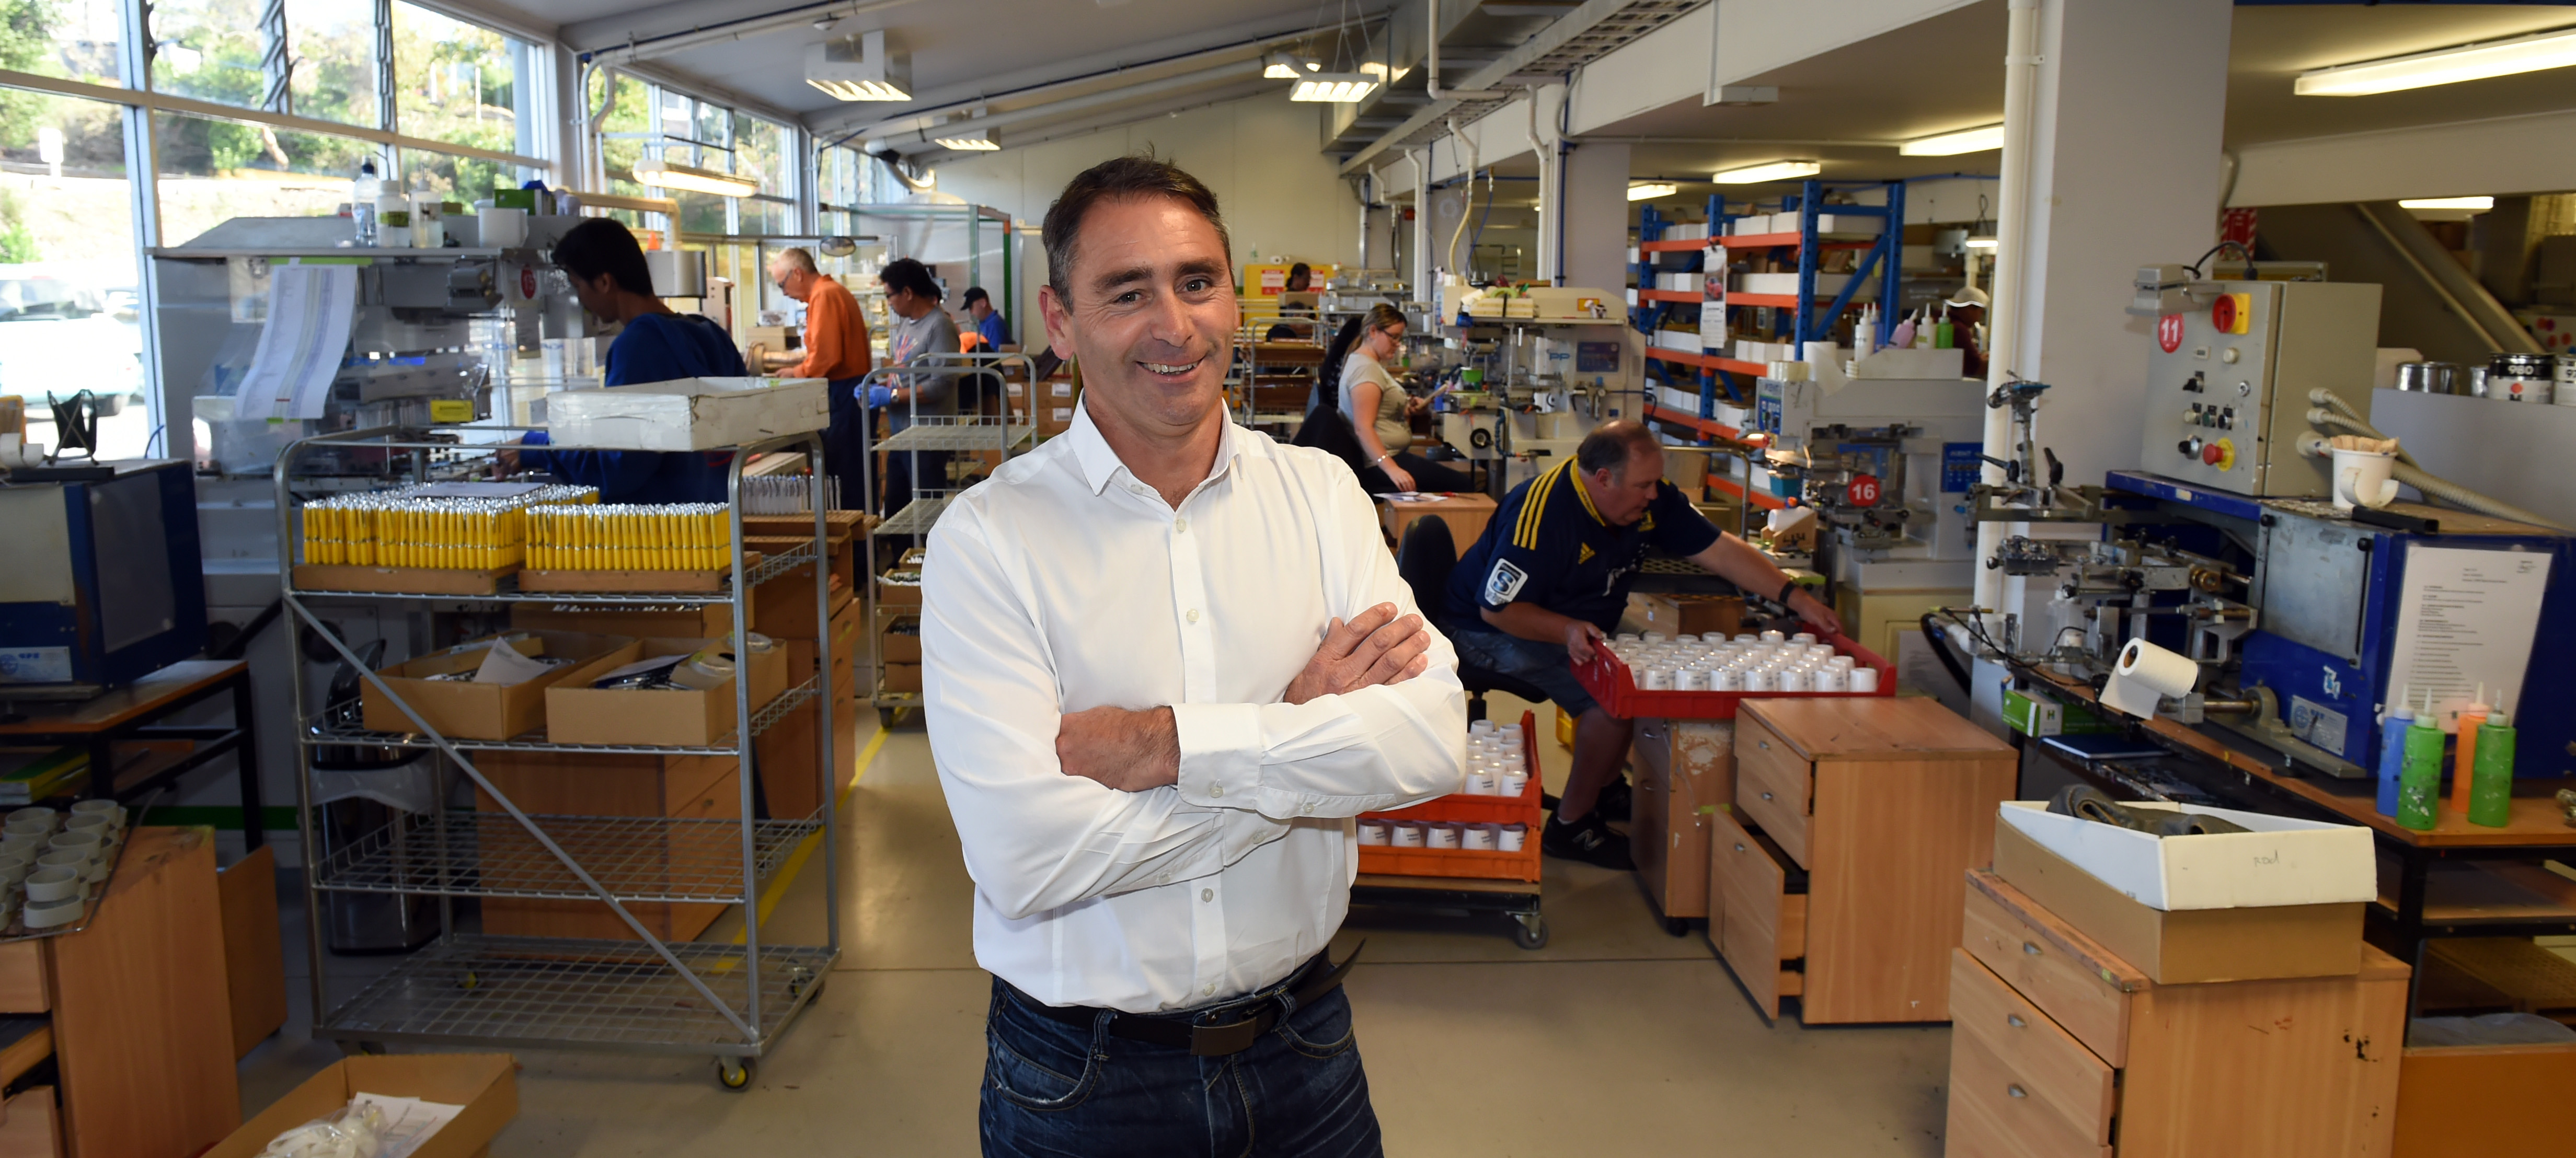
(1460, 233)
(1940, 644)
(2335, 413)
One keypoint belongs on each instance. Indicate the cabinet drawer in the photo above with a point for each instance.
(22, 978)
(2040, 969)
(1993, 1113)
(2053, 1068)
(1760, 926)
(1774, 787)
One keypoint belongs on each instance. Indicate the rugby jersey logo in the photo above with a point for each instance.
(1504, 582)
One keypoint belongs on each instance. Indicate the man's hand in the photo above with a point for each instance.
(1579, 638)
(1814, 611)
(1128, 751)
(1375, 647)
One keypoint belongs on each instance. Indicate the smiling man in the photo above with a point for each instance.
(1166, 661)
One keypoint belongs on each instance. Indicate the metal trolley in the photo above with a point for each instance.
(934, 433)
(647, 995)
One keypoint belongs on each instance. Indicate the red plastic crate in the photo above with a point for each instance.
(1610, 682)
(1524, 809)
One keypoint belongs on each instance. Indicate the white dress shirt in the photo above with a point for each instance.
(1063, 583)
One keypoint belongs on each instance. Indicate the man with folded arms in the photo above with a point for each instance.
(1166, 661)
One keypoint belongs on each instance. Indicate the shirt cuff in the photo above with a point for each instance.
(1221, 752)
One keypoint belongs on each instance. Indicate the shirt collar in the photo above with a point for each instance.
(1575, 480)
(1100, 465)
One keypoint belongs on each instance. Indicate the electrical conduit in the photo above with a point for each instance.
(2013, 233)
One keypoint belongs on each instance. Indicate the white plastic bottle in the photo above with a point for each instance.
(362, 200)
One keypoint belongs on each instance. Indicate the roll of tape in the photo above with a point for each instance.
(2147, 673)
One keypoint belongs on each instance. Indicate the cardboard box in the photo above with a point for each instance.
(899, 588)
(687, 414)
(845, 647)
(470, 711)
(903, 677)
(902, 641)
(486, 1084)
(577, 713)
(2280, 862)
(1687, 614)
(784, 606)
(2185, 946)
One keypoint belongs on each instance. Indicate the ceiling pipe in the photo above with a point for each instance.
(2014, 238)
(723, 31)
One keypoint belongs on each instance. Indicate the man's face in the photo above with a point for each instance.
(596, 294)
(1622, 495)
(1149, 312)
(904, 302)
(789, 279)
(980, 308)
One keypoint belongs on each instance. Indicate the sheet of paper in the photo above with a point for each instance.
(302, 343)
(504, 665)
(408, 1121)
(2466, 618)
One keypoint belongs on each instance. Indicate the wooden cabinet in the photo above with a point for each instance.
(1858, 815)
(2057, 1047)
(1683, 771)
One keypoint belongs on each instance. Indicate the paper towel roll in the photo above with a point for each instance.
(2147, 673)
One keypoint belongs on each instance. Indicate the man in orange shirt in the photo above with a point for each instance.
(836, 348)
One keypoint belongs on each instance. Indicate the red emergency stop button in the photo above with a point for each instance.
(2232, 313)
(2220, 454)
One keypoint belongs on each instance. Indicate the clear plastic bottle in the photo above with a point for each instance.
(362, 200)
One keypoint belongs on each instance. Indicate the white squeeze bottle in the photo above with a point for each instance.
(362, 200)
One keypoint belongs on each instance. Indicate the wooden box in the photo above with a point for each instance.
(1684, 770)
(1877, 804)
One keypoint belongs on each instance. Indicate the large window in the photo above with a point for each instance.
(680, 129)
(72, 39)
(213, 171)
(460, 83)
(70, 318)
(332, 44)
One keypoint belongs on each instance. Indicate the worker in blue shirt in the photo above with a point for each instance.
(658, 344)
(989, 322)
(1545, 583)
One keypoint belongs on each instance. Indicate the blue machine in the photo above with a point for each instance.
(2328, 589)
(103, 583)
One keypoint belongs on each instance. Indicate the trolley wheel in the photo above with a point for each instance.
(470, 980)
(366, 1049)
(801, 980)
(1529, 930)
(734, 1073)
(885, 718)
(1676, 926)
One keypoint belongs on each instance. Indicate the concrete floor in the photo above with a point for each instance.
(1615, 1038)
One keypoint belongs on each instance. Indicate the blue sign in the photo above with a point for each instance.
(1960, 464)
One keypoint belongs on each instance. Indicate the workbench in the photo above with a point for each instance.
(129, 718)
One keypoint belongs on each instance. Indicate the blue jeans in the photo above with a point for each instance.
(1054, 1089)
(1543, 665)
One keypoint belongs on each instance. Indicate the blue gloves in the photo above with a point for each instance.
(878, 396)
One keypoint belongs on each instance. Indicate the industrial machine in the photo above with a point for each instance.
(2307, 623)
(1528, 376)
(102, 585)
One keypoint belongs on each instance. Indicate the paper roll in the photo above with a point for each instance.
(2146, 674)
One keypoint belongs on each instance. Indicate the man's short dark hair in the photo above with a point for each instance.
(904, 273)
(1612, 444)
(1141, 175)
(974, 294)
(603, 246)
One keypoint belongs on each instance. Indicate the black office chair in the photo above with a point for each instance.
(1425, 559)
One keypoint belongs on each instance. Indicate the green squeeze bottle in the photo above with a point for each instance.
(2419, 779)
(2491, 781)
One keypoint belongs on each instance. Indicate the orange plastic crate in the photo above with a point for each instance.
(1387, 860)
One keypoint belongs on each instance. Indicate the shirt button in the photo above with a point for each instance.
(1207, 894)
(1216, 789)
(1310, 810)
(1193, 615)
(1210, 990)
(1181, 526)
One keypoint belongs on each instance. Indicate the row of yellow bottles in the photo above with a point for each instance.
(421, 527)
(631, 537)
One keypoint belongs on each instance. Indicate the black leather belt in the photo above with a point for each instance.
(1312, 980)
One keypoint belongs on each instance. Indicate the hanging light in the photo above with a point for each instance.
(2553, 49)
(2472, 204)
(1975, 140)
(689, 178)
(979, 141)
(1333, 87)
(1767, 171)
(1649, 190)
(860, 68)
(1281, 66)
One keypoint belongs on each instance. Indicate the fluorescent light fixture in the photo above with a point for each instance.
(1651, 190)
(689, 178)
(1983, 241)
(1279, 66)
(979, 141)
(1976, 140)
(2554, 49)
(2472, 204)
(1333, 87)
(860, 68)
(1767, 171)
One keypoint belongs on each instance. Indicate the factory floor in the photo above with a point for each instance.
(1615, 1038)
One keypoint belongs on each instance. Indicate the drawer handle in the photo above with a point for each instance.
(1765, 745)
(2030, 947)
(2014, 1020)
(1739, 848)
(1766, 796)
(2017, 1091)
